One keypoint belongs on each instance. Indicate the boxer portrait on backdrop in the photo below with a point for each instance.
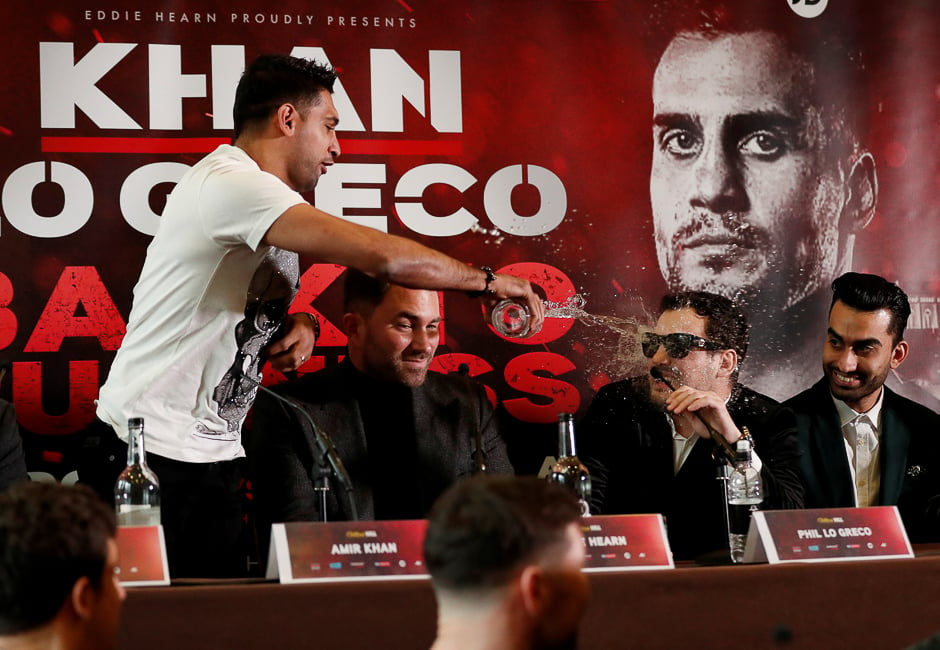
(760, 176)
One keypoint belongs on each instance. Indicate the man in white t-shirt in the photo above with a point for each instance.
(211, 303)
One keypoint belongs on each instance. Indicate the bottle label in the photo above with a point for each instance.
(585, 508)
(138, 515)
(739, 517)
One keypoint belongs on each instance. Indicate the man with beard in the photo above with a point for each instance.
(403, 433)
(861, 443)
(505, 556)
(641, 438)
(759, 179)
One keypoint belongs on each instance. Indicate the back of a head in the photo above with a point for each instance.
(484, 530)
(868, 292)
(275, 79)
(50, 536)
(727, 323)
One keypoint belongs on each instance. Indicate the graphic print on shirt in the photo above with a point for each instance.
(270, 293)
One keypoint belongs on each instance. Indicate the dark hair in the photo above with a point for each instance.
(830, 43)
(50, 536)
(867, 292)
(275, 79)
(726, 323)
(484, 529)
(361, 292)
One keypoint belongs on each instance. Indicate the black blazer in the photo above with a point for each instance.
(12, 458)
(910, 458)
(281, 447)
(626, 443)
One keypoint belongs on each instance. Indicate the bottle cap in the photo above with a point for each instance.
(133, 423)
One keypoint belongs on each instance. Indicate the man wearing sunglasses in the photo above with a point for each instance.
(646, 439)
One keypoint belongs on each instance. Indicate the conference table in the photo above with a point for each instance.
(862, 605)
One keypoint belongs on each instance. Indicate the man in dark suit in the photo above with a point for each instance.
(644, 438)
(12, 457)
(862, 444)
(404, 434)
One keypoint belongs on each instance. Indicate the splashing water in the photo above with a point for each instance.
(572, 307)
(496, 233)
(625, 359)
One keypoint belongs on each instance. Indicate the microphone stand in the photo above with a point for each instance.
(722, 453)
(723, 475)
(725, 447)
(328, 465)
(479, 456)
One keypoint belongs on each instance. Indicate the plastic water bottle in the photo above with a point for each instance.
(745, 494)
(511, 319)
(514, 320)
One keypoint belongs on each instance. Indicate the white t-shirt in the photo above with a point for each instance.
(209, 297)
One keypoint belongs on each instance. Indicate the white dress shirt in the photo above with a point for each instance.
(682, 447)
(862, 435)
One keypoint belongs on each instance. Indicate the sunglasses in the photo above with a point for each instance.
(677, 345)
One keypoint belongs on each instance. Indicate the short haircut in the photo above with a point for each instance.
(362, 293)
(485, 529)
(50, 536)
(272, 80)
(726, 324)
(867, 292)
(830, 43)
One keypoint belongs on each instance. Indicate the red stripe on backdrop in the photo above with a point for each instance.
(205, 145)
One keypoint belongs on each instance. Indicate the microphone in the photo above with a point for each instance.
(324, 445)
(479, 456)
(657, 373)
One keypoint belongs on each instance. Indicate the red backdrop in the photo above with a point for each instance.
(531, 115)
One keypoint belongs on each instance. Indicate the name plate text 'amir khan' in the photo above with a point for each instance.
(347, 551)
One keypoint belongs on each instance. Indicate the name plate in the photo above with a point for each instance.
(142, 556)
(826, 535)
(347, 551)
(625, 543)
